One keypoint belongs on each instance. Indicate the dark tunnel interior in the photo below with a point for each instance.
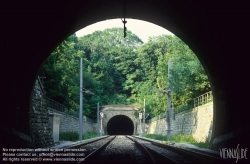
(120, 125)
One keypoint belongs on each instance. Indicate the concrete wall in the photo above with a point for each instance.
(197, 122)
(71, 123)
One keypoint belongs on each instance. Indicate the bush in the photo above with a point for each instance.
(89, 135)
(68, 136)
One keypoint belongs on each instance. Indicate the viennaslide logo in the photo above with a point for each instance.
(238, 153)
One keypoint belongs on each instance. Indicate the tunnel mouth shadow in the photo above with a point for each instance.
(120, 125)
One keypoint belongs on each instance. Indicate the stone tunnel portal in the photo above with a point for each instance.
(120, 125)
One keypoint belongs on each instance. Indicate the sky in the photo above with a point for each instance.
(142, 29)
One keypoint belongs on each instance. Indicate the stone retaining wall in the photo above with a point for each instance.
(39, 119)
(71, 123)
(41, 129)
(197, 122)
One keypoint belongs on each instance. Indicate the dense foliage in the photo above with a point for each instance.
(123, 71)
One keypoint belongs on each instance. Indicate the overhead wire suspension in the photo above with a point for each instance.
(124, 21)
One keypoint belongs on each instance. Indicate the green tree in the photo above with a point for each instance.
(188, 78)
(123, 71)
(110, 59)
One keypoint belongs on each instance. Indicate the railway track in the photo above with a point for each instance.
(132, 149)
(178, 154)
(119, 150)
(40, 151)
(153, 155)
(92, 152)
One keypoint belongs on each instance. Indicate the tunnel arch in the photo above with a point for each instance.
(120, 125)
(198, 25)
(140, 14)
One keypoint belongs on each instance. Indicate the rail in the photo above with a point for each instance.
(195, 156)
(93, 155)
(152, 155)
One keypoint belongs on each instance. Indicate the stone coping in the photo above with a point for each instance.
(118, 109)
(55, 114)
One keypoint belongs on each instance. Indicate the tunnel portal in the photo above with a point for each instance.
(120, 125)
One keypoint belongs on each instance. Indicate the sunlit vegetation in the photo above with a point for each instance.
(123, 71)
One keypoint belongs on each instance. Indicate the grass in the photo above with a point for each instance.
(156, 137)
(74, 136)
(179, 138)
(89, 135)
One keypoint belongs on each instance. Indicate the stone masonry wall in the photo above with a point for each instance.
(71, 123)
(116, 111)
(41, 130)
(197, 122)
(39, 119)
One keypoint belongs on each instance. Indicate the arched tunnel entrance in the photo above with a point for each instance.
(120, 125)
(207, 35)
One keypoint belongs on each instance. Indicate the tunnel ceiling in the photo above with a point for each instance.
(120, 125)
(215, 30)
